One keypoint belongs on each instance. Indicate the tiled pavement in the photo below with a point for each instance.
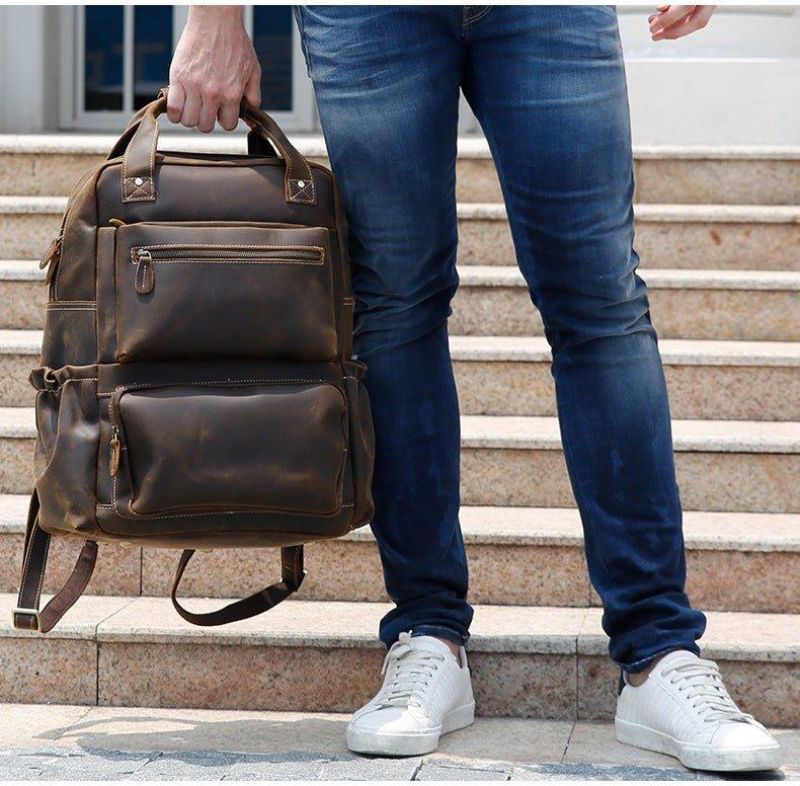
(39, 742)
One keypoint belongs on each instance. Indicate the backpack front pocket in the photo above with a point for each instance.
(200, 292)
(271, 446)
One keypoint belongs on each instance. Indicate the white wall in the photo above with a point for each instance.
(28, 69)
(736, 82)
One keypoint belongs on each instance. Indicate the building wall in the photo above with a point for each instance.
(736, 82)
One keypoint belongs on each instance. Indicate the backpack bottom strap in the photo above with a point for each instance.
(292, 575)
(37, 546)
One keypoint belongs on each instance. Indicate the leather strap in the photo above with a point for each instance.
(292, 575)
(37, 545)
(139, 141)
(258, 146)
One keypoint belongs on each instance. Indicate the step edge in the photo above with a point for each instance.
(469, 146)
(534, 349)
(565, 630)
(545, 439)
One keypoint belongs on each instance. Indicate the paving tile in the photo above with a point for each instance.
(60, 765)
(453, 772)
(595, 743)
(591, 772)
(184, 730)
(316, 768)
(508, 740)
(189, 766)
(37, 725)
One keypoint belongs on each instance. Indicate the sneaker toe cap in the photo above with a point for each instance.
(736, 735)
(390, 720)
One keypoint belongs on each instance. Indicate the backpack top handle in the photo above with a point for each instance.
(137, 145)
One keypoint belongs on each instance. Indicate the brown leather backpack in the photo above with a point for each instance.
(196, 387)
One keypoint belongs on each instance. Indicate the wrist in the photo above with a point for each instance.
(216, 14)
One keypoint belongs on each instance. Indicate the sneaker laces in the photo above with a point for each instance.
(410, 670)
(702, 682)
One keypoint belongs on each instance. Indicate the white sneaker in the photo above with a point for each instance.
(683, 709)
(426, 693)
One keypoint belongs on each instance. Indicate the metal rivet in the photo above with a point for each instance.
(301, 183)
(138, 181)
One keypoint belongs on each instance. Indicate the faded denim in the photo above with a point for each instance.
(547, 84)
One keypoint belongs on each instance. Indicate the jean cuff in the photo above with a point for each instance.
(440, 632)
(643, 663)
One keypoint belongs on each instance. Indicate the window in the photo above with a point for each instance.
(115, 59)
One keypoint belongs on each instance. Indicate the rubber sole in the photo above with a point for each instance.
(697, 757)
(412, 744)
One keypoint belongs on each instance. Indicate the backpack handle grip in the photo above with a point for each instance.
(138, 143)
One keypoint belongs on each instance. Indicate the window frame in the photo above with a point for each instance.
(74, 117)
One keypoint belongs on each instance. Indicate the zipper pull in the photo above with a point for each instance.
(116, 222)
(116, 449)
(50, 254)
(145, 272)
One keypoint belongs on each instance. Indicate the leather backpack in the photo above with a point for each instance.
(196, 387)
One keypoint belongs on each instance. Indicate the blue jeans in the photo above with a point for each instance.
(547, 84)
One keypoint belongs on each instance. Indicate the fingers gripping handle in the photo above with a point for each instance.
(139, 159)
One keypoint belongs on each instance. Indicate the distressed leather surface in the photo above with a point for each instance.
(204, 394)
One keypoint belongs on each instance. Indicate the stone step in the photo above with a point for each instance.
(721, 465)
(700, 304)
(712, 237)
(22, 293)
(538, 552)
(50, 164)
(746, 466)
(673, 236)
(510, 375)
(703, 304)
(715, 380)
(324, 656)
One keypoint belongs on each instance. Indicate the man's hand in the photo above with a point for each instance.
(676, 21)
(214, 65)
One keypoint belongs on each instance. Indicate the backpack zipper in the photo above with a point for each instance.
(146, 258)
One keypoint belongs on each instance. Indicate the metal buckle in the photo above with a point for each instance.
(30, 612)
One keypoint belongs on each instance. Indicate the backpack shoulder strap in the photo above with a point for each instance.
(292, 575)
(37, 545)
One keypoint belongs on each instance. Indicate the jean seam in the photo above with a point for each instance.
(468, 21)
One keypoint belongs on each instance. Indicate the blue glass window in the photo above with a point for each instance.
(152, 51)
(272, 39)
(103, 70)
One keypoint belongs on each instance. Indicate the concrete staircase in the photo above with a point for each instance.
(719, 235)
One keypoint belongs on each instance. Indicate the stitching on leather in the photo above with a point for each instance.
(68, 308)
(144, 188)
(140, 277)
(44, 570)
(76, 200)
(226, 383)
(128, 196)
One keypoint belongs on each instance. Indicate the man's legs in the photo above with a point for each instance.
(387, 87)
(548, 86)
